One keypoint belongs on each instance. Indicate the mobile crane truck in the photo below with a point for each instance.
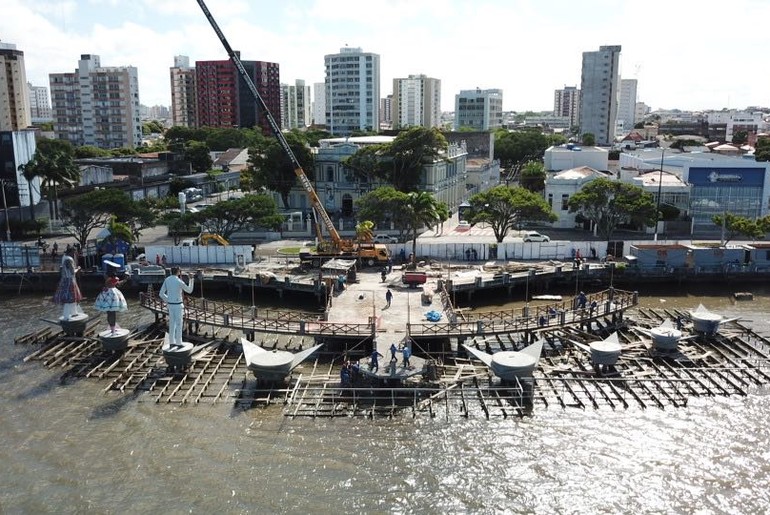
(367, 253)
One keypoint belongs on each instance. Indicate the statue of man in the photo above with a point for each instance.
(172, 293)
(67, 292)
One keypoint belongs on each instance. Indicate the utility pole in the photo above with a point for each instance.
(660, 188)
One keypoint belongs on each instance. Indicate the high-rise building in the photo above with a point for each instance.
(386, 111)
(416, 102)
(627, 105)
(224, 99)
(184, 105)
(566, 104)
(479, 109)
(319, 103)
(352, 91)
(599, 84)
(295, 105)
(14, 96)
(39, 103)
(97, 105)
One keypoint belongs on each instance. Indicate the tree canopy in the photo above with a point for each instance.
(588, 139)
(401, 161)
(409, 212)
(197, 154)
(736, 226)
(228, 216)
(532, 176)
(504, 208)
(762, 152)
(271, 168)
(94, 210)
(518, 147)
(608, 204)
(53, 162)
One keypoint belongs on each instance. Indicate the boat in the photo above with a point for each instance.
(273, 365)
(511, 365)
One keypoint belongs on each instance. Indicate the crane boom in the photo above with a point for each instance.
(298, 171)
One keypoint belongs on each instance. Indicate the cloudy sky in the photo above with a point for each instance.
(686, 54)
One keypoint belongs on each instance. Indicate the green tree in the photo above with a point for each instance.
(740, 138)
(533, 176)
(366, 163)
(271, 168)
(762, 151)
(225, 138)
(409, 212)
(588, 139)
(197, 154)
(93, 210)
(505, 208)
(89, 151)
(228, 216)
(365, 230)
(313, 136)
(405, 156)
(735, 226)
(609, 204)
(518, 147)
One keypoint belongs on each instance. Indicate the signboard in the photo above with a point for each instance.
(727, 177)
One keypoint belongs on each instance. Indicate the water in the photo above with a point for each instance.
(71, 448)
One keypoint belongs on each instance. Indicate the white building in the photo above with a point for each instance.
(560, 187)
(17, 149)
(295, 105)
(319, 103)
(97, 105)
(719, 184)
(184, 104)
(599, 85)
(566, 157)
(338, 188)
(566, 104)
(416, 102)
(640, 112)
(14, 94)
(627, 106)
(479, 109)
(352, 91)
(39, 104)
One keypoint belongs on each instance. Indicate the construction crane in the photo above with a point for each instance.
(338, 244)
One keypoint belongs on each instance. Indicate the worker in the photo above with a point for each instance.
(407, 352)
(393, 351)
(388, 297)
(374, 364)
(581, 300)
(384, 273)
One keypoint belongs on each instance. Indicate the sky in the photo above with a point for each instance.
(685, 54)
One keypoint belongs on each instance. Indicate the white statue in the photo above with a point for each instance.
(172, 293)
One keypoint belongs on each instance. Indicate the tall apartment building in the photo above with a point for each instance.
(566, 104)
(295, 105)
(184, 104)
(14, 96)
(479, 109)
(386, 111)
(224, 99)
(599, 84)
(627, 105)
(319, 103)
(16, 149)
(97, 105)
(416, 102)
(352, 91)
(39, 103)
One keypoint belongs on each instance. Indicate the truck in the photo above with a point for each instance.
(366, 253)
(206, 238)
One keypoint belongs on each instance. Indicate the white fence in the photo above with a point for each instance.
(201, 255)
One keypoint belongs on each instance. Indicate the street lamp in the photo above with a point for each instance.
(5, 207)
(660, 187)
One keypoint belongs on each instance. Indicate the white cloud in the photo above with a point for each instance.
(689, 54)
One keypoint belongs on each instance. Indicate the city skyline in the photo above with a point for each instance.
(465, 45)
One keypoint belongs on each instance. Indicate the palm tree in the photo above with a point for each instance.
(55, 167)
(423, 210)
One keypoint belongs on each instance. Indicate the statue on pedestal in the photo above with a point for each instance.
(111, 300)
(172, 293)
(67, 292)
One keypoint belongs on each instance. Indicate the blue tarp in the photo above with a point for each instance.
(433, 316)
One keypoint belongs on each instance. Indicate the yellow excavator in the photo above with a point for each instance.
(367, 253)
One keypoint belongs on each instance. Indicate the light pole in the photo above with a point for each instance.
(660, 188)
(5, 207)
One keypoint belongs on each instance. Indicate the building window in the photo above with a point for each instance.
(565, 202)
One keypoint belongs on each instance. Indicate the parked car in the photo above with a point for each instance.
(463, 225)
(384, 238)
(535, 236)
